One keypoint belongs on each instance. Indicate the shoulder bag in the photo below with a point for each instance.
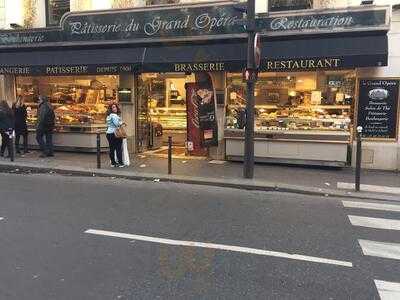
(120, 133)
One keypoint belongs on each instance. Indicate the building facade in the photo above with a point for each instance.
(177, 70)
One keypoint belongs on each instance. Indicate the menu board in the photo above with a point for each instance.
(378, 108)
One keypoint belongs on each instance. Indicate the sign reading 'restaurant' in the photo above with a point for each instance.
(302, 64)
(189, 22)
(378, 105)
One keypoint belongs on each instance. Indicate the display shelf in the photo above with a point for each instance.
(301, 107)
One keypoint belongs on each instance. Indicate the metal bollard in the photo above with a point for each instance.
(11, 147)
(170, 155)
(358, 159)
(98, 150)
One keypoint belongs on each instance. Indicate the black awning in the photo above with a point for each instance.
(345, 52)
(287, 55)
(195, 58)
(305, 54)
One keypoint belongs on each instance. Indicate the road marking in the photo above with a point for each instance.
(380, 249)
(220, 247)
(370, 205)
(388, 290)
(1, 218)
(370, 188)
(378, 223)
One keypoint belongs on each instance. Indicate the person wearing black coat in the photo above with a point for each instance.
(6, 127)
(21, 128)
(45, 127)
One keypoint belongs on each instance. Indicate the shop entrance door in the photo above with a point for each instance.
(143, 119)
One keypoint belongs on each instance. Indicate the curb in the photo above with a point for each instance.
(246, 184)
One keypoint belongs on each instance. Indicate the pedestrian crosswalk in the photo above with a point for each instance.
(380, 249)
(360, 217)
(378, 223)
(388, 290)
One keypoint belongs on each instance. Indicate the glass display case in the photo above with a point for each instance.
(303, 118)
(79, 102)
(169, 118)
(294, 102)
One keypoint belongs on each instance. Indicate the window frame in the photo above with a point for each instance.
(290, 8)
(47, 7)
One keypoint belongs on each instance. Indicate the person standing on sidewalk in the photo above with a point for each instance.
(6, 127)
(45, 127)
(21, 128)
(114, 121)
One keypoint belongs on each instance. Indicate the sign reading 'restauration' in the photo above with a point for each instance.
(335, 20)
(378, 104)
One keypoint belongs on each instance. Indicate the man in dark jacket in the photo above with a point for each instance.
(45, 127)
(6, 127)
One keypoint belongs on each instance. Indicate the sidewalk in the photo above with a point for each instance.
(266, 176)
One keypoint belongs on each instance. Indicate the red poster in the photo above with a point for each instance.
(194, 133)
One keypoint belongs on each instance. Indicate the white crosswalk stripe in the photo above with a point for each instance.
(377, 223)
(388, 290)
(380, 249)
(370, 188)
(371, 205)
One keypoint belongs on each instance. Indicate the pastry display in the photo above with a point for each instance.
(79, 105)
(298, 101)
(169, 118)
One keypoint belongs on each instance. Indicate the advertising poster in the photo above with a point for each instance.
(207, 115)
(202, 130)
(378, 108)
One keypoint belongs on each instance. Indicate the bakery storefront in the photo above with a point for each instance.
(145, 59)
(178, 72)
(310, 94)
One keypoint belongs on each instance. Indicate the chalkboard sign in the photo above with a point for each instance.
(377, 107)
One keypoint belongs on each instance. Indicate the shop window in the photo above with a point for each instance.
(282, 5)
(2, 14)
(80, 102)
(308, 101)
(160, 2)
(55, 9)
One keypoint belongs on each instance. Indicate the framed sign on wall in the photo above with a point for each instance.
(378, 108)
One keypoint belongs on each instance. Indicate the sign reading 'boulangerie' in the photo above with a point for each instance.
(377, 107)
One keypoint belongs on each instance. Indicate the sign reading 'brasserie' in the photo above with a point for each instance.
(377, 107)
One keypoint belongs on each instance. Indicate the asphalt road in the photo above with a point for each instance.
(47, 253)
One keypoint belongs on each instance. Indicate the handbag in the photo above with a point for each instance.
(125, 153)
(120, 133)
